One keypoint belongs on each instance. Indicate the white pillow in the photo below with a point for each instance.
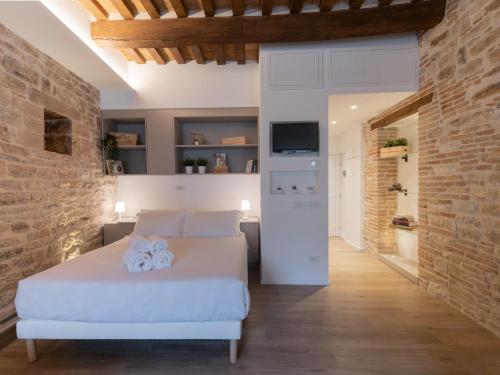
(160, 223)
(212, 224)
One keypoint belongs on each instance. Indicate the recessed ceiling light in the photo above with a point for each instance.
(334, 122)
(354, 106)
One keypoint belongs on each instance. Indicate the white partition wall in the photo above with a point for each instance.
(295, 83)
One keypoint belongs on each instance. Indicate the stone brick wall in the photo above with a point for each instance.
(459, 160)
(380, 204)
(51, 205)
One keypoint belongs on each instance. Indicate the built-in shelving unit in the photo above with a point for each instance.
(214, 129)
(133, 157)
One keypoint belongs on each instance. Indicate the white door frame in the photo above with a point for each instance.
(335, 192)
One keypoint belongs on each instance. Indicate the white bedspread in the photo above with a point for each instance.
(208, 282)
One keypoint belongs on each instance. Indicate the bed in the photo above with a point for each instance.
(93, 296)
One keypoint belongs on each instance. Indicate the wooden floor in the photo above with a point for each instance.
(369, 320)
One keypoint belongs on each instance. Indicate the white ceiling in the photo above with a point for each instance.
(368, 106)
(38, 25)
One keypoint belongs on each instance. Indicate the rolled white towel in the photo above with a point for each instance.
(162, 259)
(139, 243)
(140, 262)
(158, 244)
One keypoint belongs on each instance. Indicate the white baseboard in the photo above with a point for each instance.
(356, 246)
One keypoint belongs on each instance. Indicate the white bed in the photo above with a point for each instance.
(203, 296)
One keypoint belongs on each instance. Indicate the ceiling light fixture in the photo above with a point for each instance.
(354, 106)
(334, 122)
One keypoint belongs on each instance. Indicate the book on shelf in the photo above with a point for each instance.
(251, 166)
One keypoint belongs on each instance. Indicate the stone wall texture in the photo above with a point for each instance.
(52, 206)
(459, 160)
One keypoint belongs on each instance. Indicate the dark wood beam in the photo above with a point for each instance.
(177, 55)
(326, 5)
(208, 8)
(95, 8)
(240, 54)
(238, 7)
(267, 7)
(296, 6)
(355, 4)
(133, 54)
(158, 55)
(126, 8)
(286, 28)
(179, 8)
(221, 55)
(150, 8)
(382, 3)
(197, 54)
(405, 111)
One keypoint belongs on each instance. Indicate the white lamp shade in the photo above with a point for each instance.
(245, 205)
(120, 207)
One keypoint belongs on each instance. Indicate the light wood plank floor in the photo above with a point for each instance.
(369, 320)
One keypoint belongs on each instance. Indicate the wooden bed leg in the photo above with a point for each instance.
(233, 351)
(31, 350)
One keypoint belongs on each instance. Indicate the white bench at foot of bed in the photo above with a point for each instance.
(32, 329)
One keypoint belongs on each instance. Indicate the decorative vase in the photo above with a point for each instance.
(189, 170)
(202, 169)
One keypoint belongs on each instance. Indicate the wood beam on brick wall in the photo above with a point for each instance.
(301, 27)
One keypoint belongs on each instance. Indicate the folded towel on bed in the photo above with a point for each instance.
(158, 244)
(139, 262)
(139, 243)
(162, 259)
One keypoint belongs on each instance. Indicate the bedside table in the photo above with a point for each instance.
(116, 230)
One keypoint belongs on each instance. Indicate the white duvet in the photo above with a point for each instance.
(207, 282)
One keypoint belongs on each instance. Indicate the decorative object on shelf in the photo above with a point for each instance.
(220, 163)
(251, 166)
(405, 221)
(395, 147)
(202, 165)
(188, 165)
(197, 138)
(110, 145)
(114, 167)
(120, 208)
(125, 139)
(398, 187)
(245, 206)
(234, 140)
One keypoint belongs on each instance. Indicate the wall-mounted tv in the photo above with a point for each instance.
(295, 137)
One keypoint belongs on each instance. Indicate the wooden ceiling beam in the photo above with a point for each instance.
(133, 54)
(179, 8)
(267, 7)
(158, 55)
(126, 8)
(177, 55)
(285, 28)
(197, 54)
(240, 54)
(238, 7)
(326, 5)
(296, 6)
(95, 8)
(405, 111)
(355, 4)
(208, 8)
(382, 3)
(221, 55)
(150, 8)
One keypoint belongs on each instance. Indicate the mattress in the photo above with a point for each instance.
(207, 282)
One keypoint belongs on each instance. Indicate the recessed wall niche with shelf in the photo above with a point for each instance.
(133, 157)
(214, 129)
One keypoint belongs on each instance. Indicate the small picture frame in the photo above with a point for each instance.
(114, 167)
(197, 138)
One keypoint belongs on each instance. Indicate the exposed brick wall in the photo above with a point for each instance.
(459, 160)
(51, 205)
(380, 204)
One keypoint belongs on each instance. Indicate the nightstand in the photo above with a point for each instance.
(249, 225)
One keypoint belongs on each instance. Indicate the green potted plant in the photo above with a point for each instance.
(202, 165)
(111, 147)
(188, 165)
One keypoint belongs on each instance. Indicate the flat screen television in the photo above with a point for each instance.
(295, 137)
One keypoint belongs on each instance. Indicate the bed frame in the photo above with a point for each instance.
(33, 329)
